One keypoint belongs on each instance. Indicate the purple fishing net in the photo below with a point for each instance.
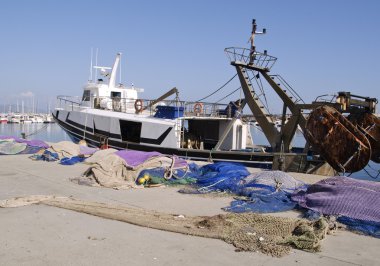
(343, 196)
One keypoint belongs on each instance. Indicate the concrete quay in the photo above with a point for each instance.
(43, 235)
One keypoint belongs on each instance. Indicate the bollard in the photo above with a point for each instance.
(281, 163)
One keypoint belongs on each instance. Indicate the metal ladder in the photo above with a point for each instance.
(180, 133)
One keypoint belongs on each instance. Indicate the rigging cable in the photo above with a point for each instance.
(228, 95)
(37, 131)
(218, 89)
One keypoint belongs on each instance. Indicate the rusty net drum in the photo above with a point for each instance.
(369, 124)
(340, 143)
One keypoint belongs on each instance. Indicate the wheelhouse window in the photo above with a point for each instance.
(86, 95)
(115, 94)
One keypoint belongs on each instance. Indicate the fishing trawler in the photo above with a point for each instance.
(113, 115)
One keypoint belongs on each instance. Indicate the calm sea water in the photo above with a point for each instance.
(54, 133)
(46, 132)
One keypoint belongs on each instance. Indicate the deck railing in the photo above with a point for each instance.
(144, 106)
(243, 55)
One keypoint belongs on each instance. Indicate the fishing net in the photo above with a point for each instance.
(262, 202)
(247, 232)
(11, 147)
(45, 155)
(121, 170)
(355, 203)
(72, 160)
(217, 177)
(33, 143)
(66, 152)
(263, 192)
(99, 155)
(64, 149)
(159, 176)
(364, 227)
(343, 196)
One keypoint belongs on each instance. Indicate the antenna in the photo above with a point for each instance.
(96, 63)
(120, 71)
(252, 39)
(92, 52)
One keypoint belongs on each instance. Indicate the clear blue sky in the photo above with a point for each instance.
(323, 46)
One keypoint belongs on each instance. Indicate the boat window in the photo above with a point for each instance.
(115, 94)
(204, 130)
(130, 131)
(86, 95)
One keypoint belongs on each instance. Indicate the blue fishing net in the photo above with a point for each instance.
(46, 156)
(219, 177)
(365, 227)
(263, 192)
(263, 202)
(72, 160)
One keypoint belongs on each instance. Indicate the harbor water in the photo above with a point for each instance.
(47, 132)
(54, 133)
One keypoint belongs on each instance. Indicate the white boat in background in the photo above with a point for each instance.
(26, 119)
(48, 119)
(15, 120)
(3, 119)
(36, 118)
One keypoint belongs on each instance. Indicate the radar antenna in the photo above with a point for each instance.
(252, 39)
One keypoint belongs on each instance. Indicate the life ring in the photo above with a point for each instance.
(138, 105)
(198, 108)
